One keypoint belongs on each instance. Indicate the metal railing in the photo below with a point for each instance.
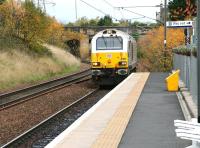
(188, 72)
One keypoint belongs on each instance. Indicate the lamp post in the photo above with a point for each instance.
(165, 33)
(76, 9)
(44, 5)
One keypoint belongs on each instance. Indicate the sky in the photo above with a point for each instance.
(64, 10)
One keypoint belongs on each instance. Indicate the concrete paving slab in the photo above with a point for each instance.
(152, 123)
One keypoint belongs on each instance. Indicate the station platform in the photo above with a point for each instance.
(120, 120)
(152, 123)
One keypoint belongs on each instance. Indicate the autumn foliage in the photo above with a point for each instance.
(182, 9)
(29, 23)
(151, 49)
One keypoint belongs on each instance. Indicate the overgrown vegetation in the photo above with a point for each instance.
(24, 29)
(18, 67)
(24, 22)
(31, 25)
(183, 50)
(25, 69)
(151, 52)
(108, 21)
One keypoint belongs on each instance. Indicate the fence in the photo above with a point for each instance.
(188, 72)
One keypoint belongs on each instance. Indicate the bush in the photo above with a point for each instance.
(38, 49)
(194, 52)
(183, 50)
(151, 55)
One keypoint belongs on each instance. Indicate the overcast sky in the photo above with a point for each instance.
(64, 10)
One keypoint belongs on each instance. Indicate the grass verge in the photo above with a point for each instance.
(19, 68)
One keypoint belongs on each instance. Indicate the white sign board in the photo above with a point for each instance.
(179, 24)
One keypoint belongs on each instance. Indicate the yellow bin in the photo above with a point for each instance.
(172, 81)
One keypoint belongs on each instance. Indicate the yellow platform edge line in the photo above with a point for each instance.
(111, 135)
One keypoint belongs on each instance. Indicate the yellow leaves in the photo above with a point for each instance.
(58, 35)
(30, 24)
(152, 47)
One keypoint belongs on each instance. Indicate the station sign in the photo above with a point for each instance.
(179, 24)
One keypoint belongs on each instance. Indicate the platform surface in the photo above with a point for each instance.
(104, 124)
(128, 117)
(152, 123)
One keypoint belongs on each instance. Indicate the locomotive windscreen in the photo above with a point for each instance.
(109, 43)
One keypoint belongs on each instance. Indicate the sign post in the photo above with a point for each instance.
(180, 24)
(165, 34)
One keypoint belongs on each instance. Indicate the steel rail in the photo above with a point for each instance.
(18, 140)
(21, 95)
(14, 103)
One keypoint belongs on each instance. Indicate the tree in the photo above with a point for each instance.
(2, 1)
(136, 35)
(34, 23)
(124, 22)
(136, 23)
(83, 21)
(94, 22)
(182, 9)
(105, 21)
(32, 26)
(151, 49)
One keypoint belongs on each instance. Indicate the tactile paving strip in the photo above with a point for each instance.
(111, 135)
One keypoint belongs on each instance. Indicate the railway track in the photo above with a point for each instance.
(47, 130)
(22, 95)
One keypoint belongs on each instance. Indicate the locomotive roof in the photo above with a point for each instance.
(111, 32)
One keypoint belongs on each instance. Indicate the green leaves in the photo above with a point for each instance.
(183, 50)
(27, 23)
(106, 21)
(182, 9)
(34, 23)
(2, 1)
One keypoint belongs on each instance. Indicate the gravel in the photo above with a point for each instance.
(42, 136)
(20, 118)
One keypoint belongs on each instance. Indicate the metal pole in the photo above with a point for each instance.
(76, 9)
(198, 58)
(165, 33)
(44, 6)
(38, 4)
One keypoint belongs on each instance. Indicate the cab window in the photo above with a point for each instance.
(109, 43)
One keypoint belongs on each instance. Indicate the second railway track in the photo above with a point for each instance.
(8, 99)
(43, 133)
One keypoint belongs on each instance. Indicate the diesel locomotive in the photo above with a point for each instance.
(113, 56)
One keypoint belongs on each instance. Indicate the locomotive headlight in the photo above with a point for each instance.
(96, 64)
(122, 63)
